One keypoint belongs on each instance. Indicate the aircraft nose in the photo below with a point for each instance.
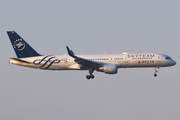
(173, 62)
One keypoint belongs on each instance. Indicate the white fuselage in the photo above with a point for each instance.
(66, 62)
(109, 64)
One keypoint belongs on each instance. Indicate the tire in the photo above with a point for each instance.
(88, 77)
(155, 75)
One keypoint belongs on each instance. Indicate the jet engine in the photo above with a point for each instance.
(108, 69)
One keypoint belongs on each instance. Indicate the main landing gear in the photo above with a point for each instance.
(156, 70)
(90, 74)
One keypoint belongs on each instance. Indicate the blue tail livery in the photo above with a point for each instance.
(20, 46)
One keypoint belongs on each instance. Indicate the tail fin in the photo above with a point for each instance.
(20, 46)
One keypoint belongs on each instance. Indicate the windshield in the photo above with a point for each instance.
(167, 58)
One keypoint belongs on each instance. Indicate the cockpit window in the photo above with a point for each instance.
(167, 58)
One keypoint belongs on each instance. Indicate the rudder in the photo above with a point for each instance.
(21, 48)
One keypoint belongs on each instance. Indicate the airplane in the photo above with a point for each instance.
(107, 63)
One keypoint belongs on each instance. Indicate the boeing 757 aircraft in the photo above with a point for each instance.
(109, 64)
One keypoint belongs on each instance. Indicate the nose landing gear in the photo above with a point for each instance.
(156, 70)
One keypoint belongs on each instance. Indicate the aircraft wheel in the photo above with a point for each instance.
(88, 77)
(92, 76)
(155, 75)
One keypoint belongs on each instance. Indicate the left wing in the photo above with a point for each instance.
(84, 62)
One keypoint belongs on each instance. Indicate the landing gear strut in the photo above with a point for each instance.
(156, 70)
(90, 74)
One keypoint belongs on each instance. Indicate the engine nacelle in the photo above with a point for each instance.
(108, 69)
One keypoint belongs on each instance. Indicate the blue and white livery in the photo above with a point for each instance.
(109, 64)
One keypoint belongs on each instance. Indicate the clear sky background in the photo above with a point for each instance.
(90, 27)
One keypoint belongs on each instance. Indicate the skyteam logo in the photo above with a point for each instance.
(19, 44)
(46, 62)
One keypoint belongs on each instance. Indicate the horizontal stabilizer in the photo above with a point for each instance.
(19, 60)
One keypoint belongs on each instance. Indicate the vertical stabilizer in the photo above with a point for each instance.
(20, 46)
